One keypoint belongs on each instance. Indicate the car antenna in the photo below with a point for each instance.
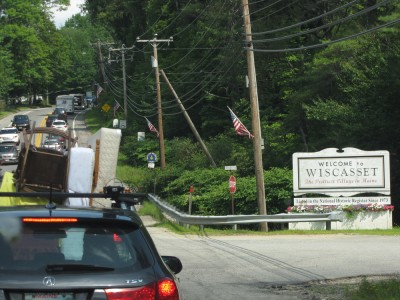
(51, 205)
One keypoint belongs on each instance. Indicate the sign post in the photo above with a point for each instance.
(151, 160)
(232, 190)
(191, 190)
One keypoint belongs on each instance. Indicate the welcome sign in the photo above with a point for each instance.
(341, 172)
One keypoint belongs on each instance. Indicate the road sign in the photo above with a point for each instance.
(106, 107)
(230, 168)
(151, 157)
(122, 124)
(232, 184)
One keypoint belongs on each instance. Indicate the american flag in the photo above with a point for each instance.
(99, 90)
(239, 127)
(116, 105)
(152, 128)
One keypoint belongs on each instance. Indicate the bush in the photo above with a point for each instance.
(212, 197)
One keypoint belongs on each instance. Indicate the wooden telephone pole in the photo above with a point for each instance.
(154, 42)
(123, 50)
(259, 170)
(189, 120)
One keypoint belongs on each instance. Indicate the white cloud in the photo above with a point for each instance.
(59, 17)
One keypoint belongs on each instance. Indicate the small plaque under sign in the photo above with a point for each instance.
(151, 165)
(230, 168)
(122, 124)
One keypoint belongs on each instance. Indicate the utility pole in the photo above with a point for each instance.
(98, 45)
(189, 120)
(154, 42)
(100, 57)
(255, 116)
(123, 49)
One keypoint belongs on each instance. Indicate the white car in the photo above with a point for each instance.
(9, 135)
(60, 125)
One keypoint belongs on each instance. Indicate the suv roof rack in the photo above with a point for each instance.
(116, 194)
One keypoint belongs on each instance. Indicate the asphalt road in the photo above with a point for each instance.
(264, 267)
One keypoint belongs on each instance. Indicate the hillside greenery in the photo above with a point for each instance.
(313, 91)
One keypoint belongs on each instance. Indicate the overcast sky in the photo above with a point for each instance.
(59, 17)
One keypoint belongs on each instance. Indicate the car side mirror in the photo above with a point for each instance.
(173, 263)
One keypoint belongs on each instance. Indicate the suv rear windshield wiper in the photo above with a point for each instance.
(76, 267)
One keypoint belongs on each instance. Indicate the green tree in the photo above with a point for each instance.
(28, 33)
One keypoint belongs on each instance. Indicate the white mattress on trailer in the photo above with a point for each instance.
(110, 140)
(80, 174)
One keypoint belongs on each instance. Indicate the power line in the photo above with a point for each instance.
(331, 42)
(306, 21)
(360, 13)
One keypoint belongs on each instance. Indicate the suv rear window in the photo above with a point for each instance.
(21, 118)
(38, 246)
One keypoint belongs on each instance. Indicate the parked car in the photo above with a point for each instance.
(53, 144)
(61, 113)
(9, 134)
(60, 125)
(9, 153)
(20, 122)
(50, 119)
(50, 251)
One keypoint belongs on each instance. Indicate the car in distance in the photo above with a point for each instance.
(51, 251)
(50, 119)
(53, 144)
(61, 113)
(9, 153)
(20, 122)
(9, 134)
(60, 125)
(59, 139)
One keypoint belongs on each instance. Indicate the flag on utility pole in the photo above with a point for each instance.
(152, 127)
(239, 127)
(99, 90)
(116, 105)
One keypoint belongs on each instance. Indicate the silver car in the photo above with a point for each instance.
(8, 153)
(9, 134)
(53, 144)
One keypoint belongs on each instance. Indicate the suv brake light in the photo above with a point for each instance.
(144, 293)
(49, 220)
(166, 290)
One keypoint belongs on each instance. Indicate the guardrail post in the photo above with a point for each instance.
(328, 225)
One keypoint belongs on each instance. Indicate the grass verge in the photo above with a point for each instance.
(383, 290)
(96, 118)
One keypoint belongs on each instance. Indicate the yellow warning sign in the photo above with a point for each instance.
(106, 107)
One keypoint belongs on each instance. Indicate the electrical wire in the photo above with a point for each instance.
(328, 43)
(266, 7)
(352, 16)
(307, 21)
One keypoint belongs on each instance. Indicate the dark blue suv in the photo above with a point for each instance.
(21, 122)
(81, 253)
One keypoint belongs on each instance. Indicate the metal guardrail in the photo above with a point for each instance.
(127, 200)
(245, 219)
